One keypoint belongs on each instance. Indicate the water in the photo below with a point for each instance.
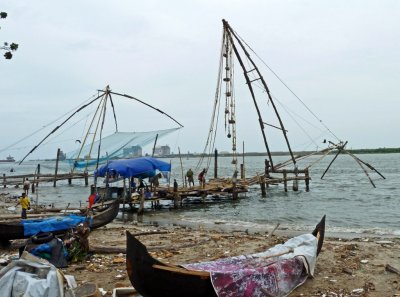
(345, 195)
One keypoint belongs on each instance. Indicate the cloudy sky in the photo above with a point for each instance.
(341, 58)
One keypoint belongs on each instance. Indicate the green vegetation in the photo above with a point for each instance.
(302, 153)
(9, 48)
(382, 150)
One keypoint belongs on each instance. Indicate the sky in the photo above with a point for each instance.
(340, 58)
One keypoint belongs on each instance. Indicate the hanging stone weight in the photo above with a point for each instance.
(224, 54)
(229, 135)
(226, 110)
(228, 94)
(227, 79)
(227, 68)
(231, 121)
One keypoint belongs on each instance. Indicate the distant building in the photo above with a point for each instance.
(133, 151)
(163, 150)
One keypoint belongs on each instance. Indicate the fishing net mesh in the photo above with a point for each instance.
(115, 146)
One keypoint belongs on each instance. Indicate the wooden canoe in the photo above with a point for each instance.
(152, 278)
(14, 229)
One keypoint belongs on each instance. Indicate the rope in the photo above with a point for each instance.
(287, 87)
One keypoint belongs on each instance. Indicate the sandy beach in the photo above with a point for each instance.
(345, 267)
(348, 265)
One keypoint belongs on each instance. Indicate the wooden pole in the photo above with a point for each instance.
(285, 180)
(4, 180)
(124, 195)
(216, 163)
(180, 159)
(307, 180)
(86, 175)
(37, 175)
(141, 207)
(154, 146)
(337, 154)
(242, 168)
(56, 171)
(295, 186)
(262, 185)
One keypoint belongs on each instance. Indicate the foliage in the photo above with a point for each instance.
(76, 253)
(9, 48)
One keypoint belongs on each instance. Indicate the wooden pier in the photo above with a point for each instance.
(35, 179)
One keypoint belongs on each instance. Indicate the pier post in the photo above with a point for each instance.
(295, 186)
(307, 180)
(242, 171)
(124, 196)
(216, 163)
(37, 175)
(285, 180)
(4, 180)
(262, 185)
(234, 194)
(70, 179)
(86, 178)
(141, 207)
(55, 173)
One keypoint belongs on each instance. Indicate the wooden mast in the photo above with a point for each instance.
(230, 33)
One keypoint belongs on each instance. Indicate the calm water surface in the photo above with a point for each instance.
(345, 195)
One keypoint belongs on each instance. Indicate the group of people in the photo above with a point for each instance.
(201, 178)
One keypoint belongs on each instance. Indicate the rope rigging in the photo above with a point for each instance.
(254, 79)
(288, 88)
(117, 141)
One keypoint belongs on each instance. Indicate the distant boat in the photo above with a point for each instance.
(9, 159)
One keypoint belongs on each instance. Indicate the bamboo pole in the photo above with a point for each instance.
(340, 148)
(154, 146)
(180, 159)
(216, 163)
(56, 170)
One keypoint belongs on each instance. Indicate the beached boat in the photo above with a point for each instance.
(9, 159)
(275, 272)
(19, 229)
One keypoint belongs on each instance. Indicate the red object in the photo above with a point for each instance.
(91, 200)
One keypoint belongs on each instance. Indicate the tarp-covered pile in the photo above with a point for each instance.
(31, 277)
(264, 274)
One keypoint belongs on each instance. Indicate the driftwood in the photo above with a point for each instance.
(392, 269)
(272, 232)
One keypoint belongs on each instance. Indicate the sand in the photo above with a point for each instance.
(347, 266)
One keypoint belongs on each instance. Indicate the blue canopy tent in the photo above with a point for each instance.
(138, 167)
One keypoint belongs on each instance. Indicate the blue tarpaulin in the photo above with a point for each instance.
(138, 167)
(32, 227)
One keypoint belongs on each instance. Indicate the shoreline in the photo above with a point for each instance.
(346, 267)
(167, 219)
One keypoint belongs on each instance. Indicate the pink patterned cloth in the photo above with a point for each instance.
(249, 276)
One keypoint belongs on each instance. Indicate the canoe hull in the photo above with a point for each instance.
(151, 282)
(11, 230)
(152, 278)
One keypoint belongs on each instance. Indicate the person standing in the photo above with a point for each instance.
(202, 178)
(25, 205)
(27, 184)
(189, 176)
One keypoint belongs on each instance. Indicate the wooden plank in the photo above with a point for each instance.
(176, 269)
